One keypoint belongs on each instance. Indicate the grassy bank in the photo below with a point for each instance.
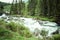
(36, 17)
(13, 31)
(41, 18)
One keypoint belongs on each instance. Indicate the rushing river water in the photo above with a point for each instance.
(32, 24)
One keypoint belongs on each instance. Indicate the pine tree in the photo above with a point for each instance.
(31, 7)
(16, 7)
(1, 9)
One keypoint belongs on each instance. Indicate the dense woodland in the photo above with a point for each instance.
(45, 8)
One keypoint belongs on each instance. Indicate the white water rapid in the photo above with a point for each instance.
(32, 24)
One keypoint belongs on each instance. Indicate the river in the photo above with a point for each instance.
(32, 24)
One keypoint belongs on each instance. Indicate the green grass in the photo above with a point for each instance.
(9, 35)
(41, 18)
(13, 31)
(36, 17)
(56, 37)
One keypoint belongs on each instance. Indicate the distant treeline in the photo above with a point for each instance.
(4, 4)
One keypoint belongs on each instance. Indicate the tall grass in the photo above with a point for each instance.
(14, 31)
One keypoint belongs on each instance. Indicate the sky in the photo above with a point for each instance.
(10, 1)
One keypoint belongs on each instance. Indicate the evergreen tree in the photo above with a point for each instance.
(17, 6)
(58, 12)
(1, 9)
(31, 7)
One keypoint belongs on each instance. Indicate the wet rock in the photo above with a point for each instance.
(56, 32)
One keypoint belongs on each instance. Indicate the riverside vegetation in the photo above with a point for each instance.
(15, 31)
(37, 9)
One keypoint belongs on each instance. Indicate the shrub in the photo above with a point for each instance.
(11, 26)
(8, 35)
(14, 31)
(25, 33)
(44, 33)
(21, 29)
(2, 23)
(5, 34)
